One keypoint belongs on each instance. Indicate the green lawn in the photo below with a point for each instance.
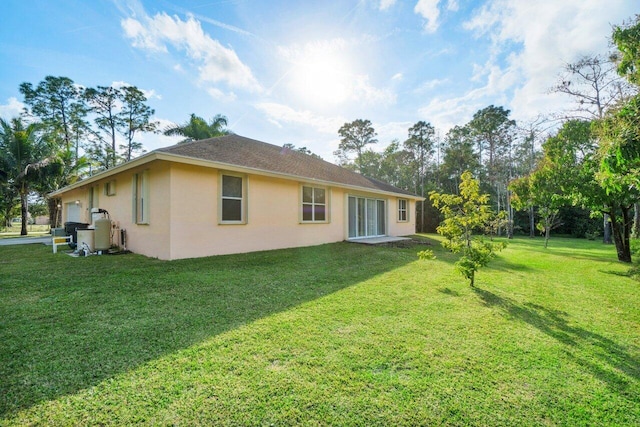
(32, 230)
(338, 334)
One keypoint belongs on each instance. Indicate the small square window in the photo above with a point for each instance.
(110, 188)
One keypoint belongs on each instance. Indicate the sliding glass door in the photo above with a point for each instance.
(367, 217)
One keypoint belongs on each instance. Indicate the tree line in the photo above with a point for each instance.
(67, 132)
(584, 160)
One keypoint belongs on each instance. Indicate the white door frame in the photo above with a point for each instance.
(366, 217)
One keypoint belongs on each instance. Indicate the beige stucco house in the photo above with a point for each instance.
(234, 194)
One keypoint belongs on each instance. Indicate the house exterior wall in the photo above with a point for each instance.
(151, 239)
(184, 212)
(401, 228)
(273, 216)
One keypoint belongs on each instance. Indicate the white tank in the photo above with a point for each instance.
(86, 237)
(103, 234)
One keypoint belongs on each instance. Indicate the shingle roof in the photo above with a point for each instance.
(249, 153)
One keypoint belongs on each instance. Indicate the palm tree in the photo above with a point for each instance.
(61, 171)
(23, 152)
(197, 128)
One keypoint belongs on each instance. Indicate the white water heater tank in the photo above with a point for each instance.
(103, 234)
(86, 237)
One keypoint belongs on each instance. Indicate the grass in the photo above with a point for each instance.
(32, 230)
(337, 334)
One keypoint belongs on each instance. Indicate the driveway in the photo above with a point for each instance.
(25, 240)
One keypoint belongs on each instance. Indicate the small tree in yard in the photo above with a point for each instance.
(465, 214)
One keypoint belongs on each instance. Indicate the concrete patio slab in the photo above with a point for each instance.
(378, 240)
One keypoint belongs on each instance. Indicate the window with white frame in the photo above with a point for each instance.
(403, 215)
(314, 204)
(93, 197)
(232, 199)
(140, 197)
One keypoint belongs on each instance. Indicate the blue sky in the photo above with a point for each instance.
(295, 71)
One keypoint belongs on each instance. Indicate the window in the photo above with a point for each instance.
(314, 204)
(402, 210)
(232, 199)
(93, 198)
(110, 188)
(140, 199)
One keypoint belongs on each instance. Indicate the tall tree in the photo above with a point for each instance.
(198, 128)
(395, 167)
(459, 156)
(355, 136)
(593, 84)
(136, 118)
(626, 37)
(59, 105)
(528, 155)
(494, 133)
(619, 169)
(105, 103)
(60, 172)
(574, 152)
(420, 144)
(23, 152)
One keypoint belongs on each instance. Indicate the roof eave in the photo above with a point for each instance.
(244, 169)
(146, 158)
(159, 155)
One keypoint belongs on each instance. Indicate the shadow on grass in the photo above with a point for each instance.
(632, 273)
(618, 366)
(67, 324)
(579, 249)
(501, 263)
(449, 291)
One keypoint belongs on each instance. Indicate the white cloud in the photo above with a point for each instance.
(387, 132)
(225, 26)
(444, 114)
(386, 4)
(220, 95)
(142, 37)
(397, 77)
(428, 9)
(430, 85)
(452, 5)
(12, 109)
(215, 62)
(278, 113)
(148, 93)
(547, 34)
(363, 90)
